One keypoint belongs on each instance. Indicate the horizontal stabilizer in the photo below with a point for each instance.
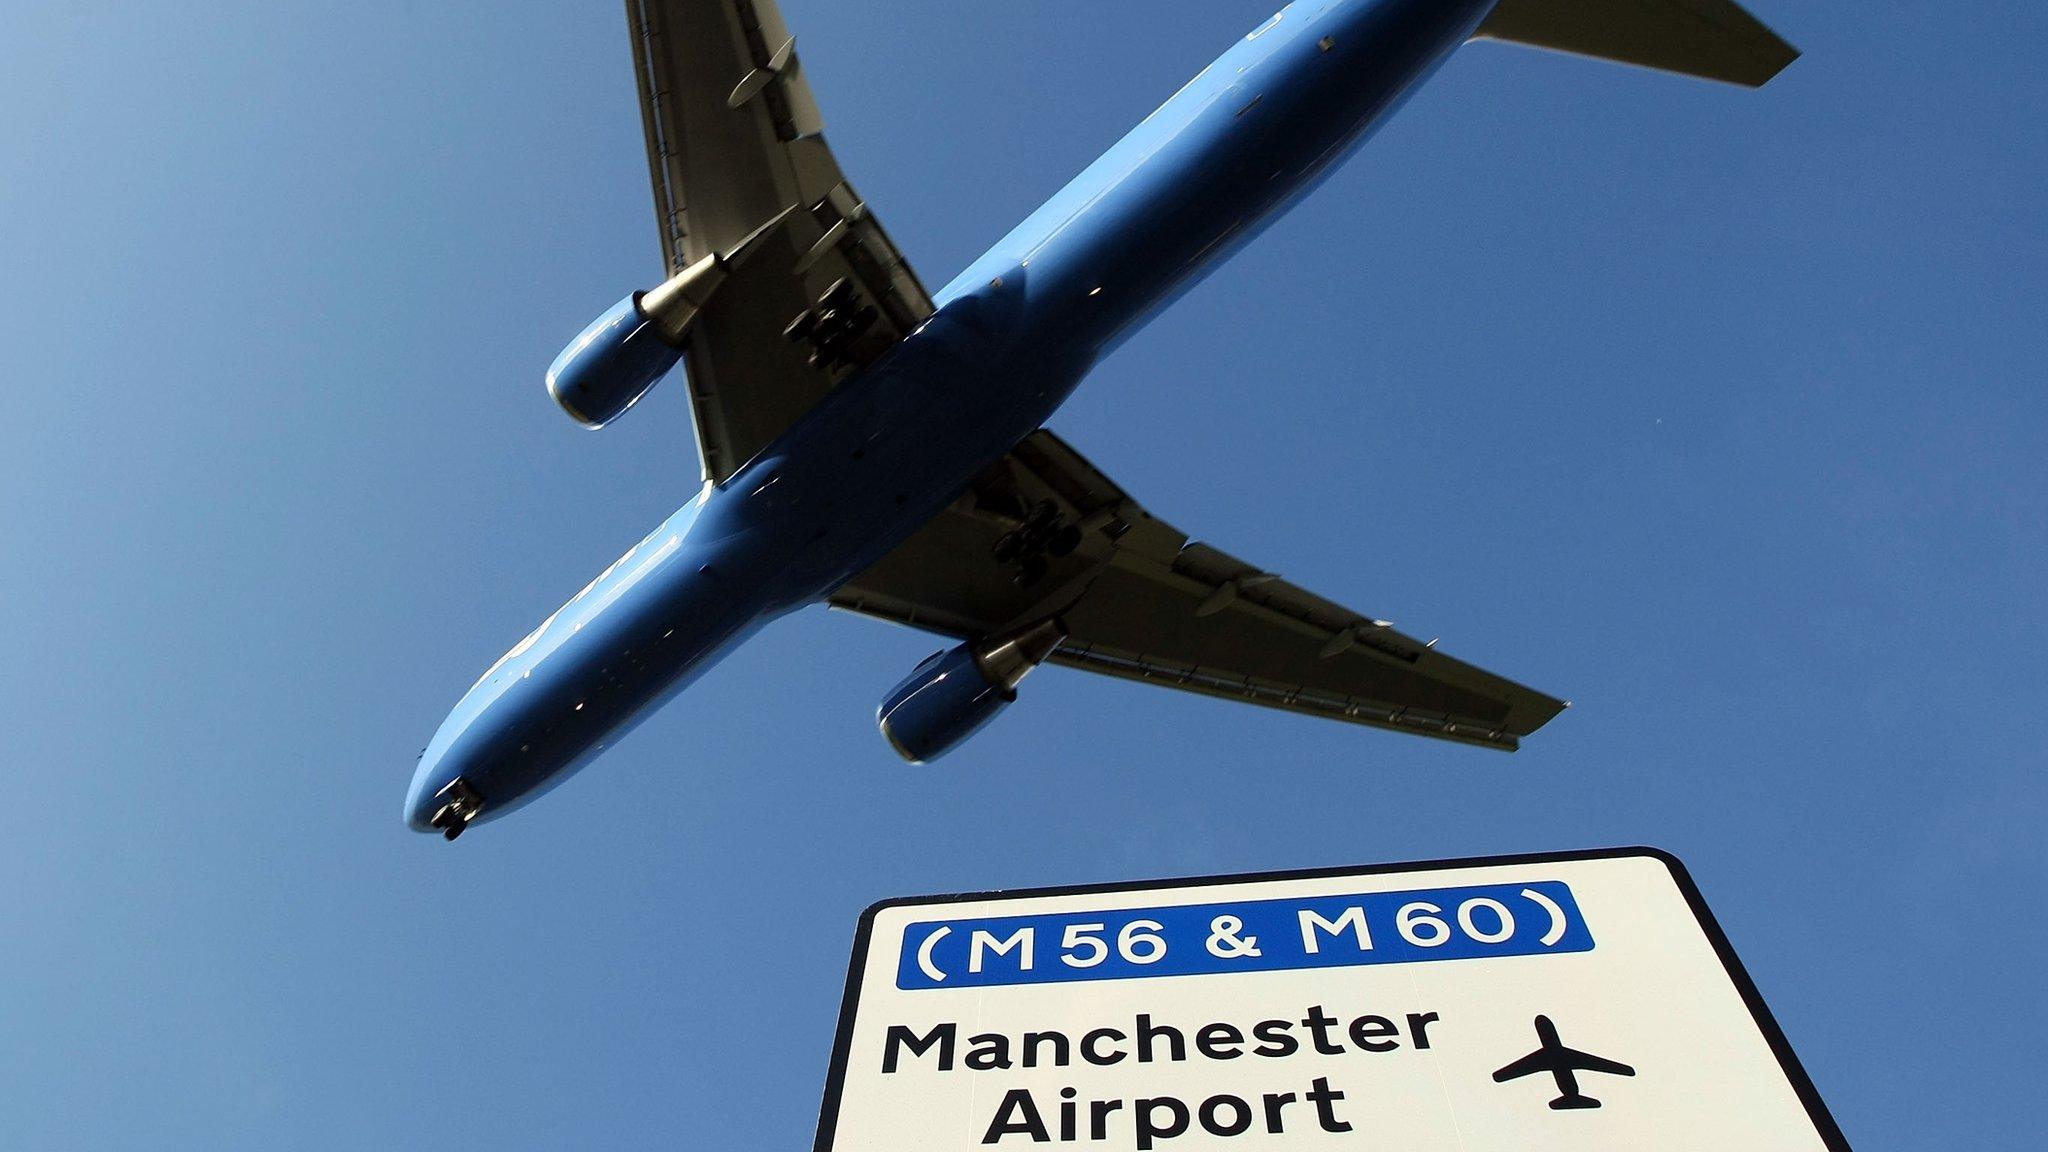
(1712, 39)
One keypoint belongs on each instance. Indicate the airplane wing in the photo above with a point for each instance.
(1541, 1060)
(1045, 534)
(1587, 1062)
(734, 146)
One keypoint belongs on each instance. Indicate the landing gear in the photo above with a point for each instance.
(460, 804)
(834, 327)
(1043, 534)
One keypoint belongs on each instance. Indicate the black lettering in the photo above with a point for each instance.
(1146, 1034)
(1277, 1038)
(1059, 1048)
(901, 1037)
(1237, 1126)
(1094, 1055)
(1371, 1032)
(1322, 1096)
(1319, 1022)
(1418, 1026)
(1275, 1101)
(1027, 1122)
(1219, 1042)
(1067, 1115)
(991, 1051)
(1149, 1131)
(1098, 1117)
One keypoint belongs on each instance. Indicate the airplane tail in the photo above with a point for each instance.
(1712, 39)
(1573, 1103)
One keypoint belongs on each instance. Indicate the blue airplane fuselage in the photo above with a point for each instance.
(889, 448)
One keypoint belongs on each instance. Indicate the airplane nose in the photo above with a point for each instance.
(417, 814)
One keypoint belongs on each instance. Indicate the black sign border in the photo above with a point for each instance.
(1788, 1060)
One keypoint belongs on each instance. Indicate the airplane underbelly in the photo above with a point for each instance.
(890, 449)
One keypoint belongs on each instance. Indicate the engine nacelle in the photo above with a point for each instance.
(627, 351)
(955, 694)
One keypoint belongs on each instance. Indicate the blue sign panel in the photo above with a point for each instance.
(1248, 936)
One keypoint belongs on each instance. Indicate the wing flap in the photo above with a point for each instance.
(1279, 646)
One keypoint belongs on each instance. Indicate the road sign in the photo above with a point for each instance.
(1582, 1002)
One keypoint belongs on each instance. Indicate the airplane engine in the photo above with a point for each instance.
(625, 352)
(954, 694)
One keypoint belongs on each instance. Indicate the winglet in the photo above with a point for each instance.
(1711, 39)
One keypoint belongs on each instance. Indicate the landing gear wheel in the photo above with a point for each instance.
(449, 820)
(833, 327)
(461, 804)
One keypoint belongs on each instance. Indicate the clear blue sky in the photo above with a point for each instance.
(1719, 413)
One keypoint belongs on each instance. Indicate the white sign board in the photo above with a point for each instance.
(1576, 1002)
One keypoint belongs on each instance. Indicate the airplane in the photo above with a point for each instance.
(882, 449)
(1564, 1064)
